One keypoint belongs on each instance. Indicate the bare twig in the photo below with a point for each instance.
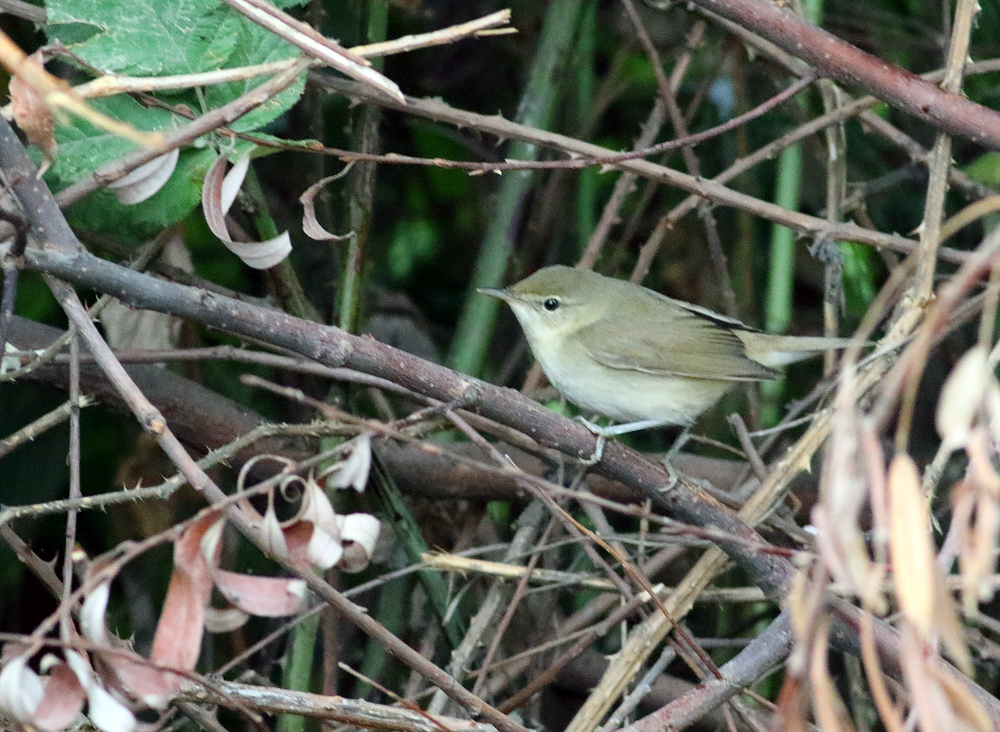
(836, 59)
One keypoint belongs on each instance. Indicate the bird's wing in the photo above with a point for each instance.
(685, 344)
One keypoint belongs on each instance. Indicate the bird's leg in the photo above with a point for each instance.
(621, 429)
(603, 433)
(681, 440)
(602, 437)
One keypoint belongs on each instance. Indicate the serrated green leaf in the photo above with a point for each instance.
(83, 148)
(255, 45)
(150, 36)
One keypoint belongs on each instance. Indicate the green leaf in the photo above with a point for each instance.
(255, 45)
(150, 36)
(162, 37)
(172, 203)
(985, 168)
(83, 148)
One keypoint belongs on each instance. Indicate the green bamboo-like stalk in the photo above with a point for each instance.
(285, 278)
(362, 196)
(781, 272)
(298, 669)
(586, 191)
(781, 262)
(410, 538)
(475, 325)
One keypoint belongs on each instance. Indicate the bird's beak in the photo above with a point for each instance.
(505, 295)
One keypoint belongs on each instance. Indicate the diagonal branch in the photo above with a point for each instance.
(836, 59)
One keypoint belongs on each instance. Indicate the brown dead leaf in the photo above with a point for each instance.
(30, 111)
(311, 226)
(910, 545)
(217, 196)
(827, 704)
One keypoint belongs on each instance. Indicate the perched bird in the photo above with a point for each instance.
(639, 357)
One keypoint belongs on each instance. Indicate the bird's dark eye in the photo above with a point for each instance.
(551, 304)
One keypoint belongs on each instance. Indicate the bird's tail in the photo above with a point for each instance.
(777, 350)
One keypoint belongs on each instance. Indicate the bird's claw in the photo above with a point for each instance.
(595, 457)
(671, 474)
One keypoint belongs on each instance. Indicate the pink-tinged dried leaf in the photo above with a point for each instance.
(146, 180)
(298, 535)
(21, 689)
(154, 687)
(981, 471)
(963, 504)
(971, 714)
(842, 548)
(976, 520)
(323, 550)
(210, 543)
(317, 509)
(95, 605)
(63, 701)
(217, 196)
(790, 713)
(910, 545)
(359, 533)
(881, 513)
(177, 642)
(848, 468)
(268, 597)
(948, 626)
(224, 620)
(310, 224)
(310, 547)
(30, 112)
(827, 705)
(802, 603)
(926, 694)
(271, 535)
(106, 712)
(978, 558)
(354, 469)
(135, 676)
(962, 397)
(888, 713)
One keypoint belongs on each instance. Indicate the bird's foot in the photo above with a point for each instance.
(602, 437)
(672, 475)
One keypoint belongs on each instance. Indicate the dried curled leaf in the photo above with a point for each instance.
(217, 196)
(105, 711)
(21, 689)
(146, 180)
(311, 226)
(354, 470)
